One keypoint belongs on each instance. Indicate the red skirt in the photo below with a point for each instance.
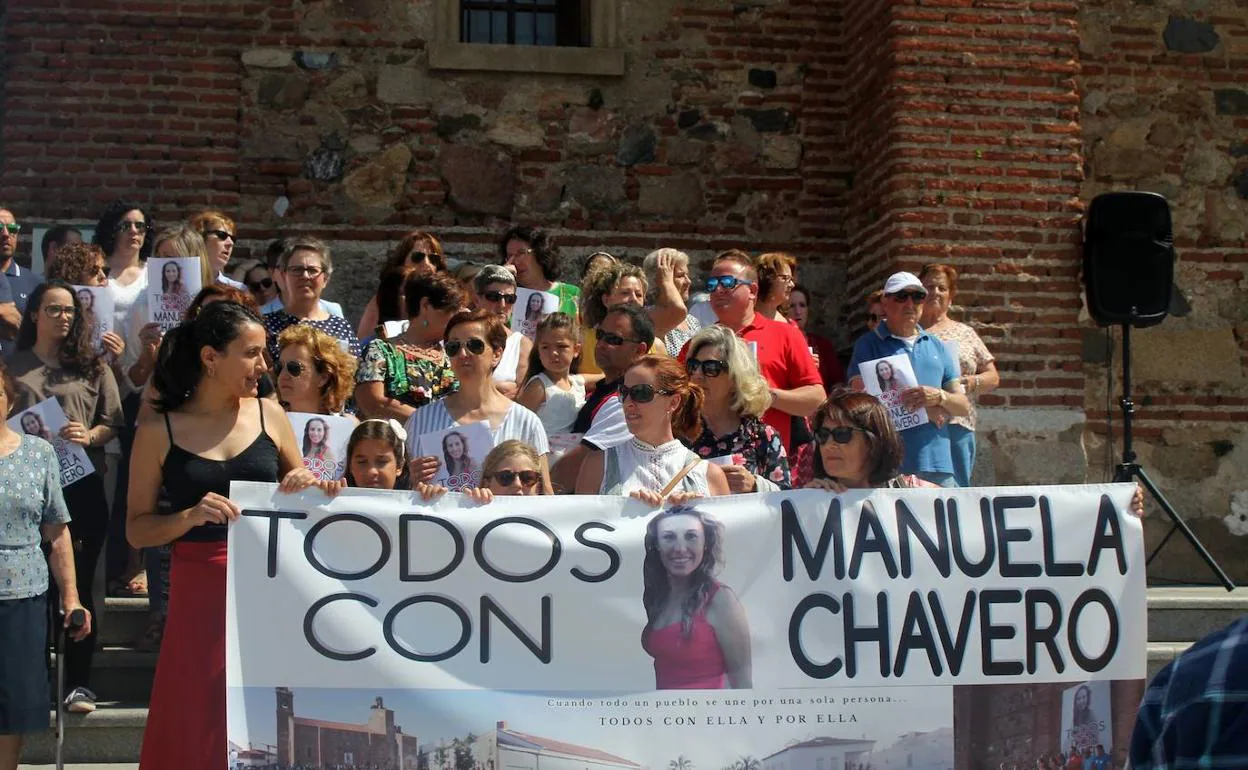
(186, 723)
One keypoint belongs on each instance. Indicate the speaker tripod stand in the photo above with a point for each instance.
(1130, 470)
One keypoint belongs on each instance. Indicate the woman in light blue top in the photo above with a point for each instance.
(32, 509)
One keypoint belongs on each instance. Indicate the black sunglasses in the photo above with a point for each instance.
(710, 367)
(222, 235)
(296, 368)
(260, 285)
(902, 296)
(840, 434)
(507, 478)
(498, 296)
(642, 394)
(416, 257)
(475, 345)
(102, 270)
(610, 338)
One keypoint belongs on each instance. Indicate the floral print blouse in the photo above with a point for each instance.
(408, 377)
(754, 446)
(971, 354)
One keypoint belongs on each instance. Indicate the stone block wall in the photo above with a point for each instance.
(1165, 109)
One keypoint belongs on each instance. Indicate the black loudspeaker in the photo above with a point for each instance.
(1128, 258)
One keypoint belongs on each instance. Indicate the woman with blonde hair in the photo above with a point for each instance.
(733, 434)
(668, 272)
(314, 374)
(218, 231)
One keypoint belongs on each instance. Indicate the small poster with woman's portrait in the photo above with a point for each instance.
(1087, 718)
(530, 308)
(171, 285)
(97, 311)
(45, 420)
(323, 442)
(460, 452)
(886, 379)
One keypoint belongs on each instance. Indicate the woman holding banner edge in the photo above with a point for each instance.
(183, 461)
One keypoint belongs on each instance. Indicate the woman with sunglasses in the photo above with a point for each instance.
(621, 284)
(122, 234)
(420, 251)
(511, 469)
(55, 359)
(660, 404)
(495, 288)
(733, 434)
(314, 374)
(396, 376)
(259, 281)
(474, 342)
(858, 446)
(218, 232)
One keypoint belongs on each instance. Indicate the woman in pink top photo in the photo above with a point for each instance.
(696, 629)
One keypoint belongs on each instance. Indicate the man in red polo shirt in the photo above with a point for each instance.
(780, 349)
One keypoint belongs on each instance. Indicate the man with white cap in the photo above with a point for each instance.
(939, 390)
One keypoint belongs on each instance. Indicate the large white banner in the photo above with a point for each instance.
(379, 631)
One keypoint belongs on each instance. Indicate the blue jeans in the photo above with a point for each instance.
(939, 479)
(962, 447)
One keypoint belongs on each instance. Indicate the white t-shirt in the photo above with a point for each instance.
(519, 423)
(608, 428)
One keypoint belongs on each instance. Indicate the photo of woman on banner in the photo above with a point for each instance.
(696, 629)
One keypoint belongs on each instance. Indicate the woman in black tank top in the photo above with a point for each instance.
(212, 430)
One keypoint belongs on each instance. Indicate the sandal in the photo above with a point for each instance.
(152, 636)
(134, 584)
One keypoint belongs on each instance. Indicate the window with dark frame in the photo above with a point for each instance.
(525, 22)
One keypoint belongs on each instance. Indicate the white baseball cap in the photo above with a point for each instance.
(902, 281)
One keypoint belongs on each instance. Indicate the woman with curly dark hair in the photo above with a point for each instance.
(123, 233)
(696, 629)
(532, 255)
(420, 252)
(55, 359)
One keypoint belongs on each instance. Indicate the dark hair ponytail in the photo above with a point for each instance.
(179, 369)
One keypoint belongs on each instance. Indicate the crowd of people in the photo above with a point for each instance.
(638, 380)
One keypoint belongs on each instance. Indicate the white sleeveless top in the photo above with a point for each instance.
(558, 412)
(506, 369)
(636, 465)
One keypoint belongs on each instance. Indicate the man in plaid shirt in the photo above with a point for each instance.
(1195, 712)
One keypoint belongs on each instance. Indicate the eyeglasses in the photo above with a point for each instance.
(221, 235)
(642, 394)
(57, 311)
(416, 257)
(901, 296)
(841, 434)
(260, 285)
(498, 296)
(507, 478)
(610, 338)
(12, 228)
(710, 367)
(728, 282)
(475, 346)
(311, 271)
(128, 224)
(295, 368)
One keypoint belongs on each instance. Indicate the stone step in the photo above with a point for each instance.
(86, 766)
(1187, 614)
(124, 620)
(112, 733)
(122, 674)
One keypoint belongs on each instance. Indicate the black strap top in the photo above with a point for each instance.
(187, 477)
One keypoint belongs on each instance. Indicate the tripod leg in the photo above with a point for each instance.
(1223, 578)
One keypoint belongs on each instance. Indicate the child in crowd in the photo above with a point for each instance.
(553, 392)
(375, 456)
(513, 468)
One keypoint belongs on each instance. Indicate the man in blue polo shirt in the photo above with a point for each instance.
(22, 282)
(940, 385)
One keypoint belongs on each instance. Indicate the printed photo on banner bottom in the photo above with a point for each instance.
(171, 285)
(1086, 724)
(894, 728)
(460, 452)
(45, 420)
(530, 308)
(323, 442)
(97, 311)
(886, 379)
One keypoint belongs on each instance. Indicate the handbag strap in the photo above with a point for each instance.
(667, 490)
